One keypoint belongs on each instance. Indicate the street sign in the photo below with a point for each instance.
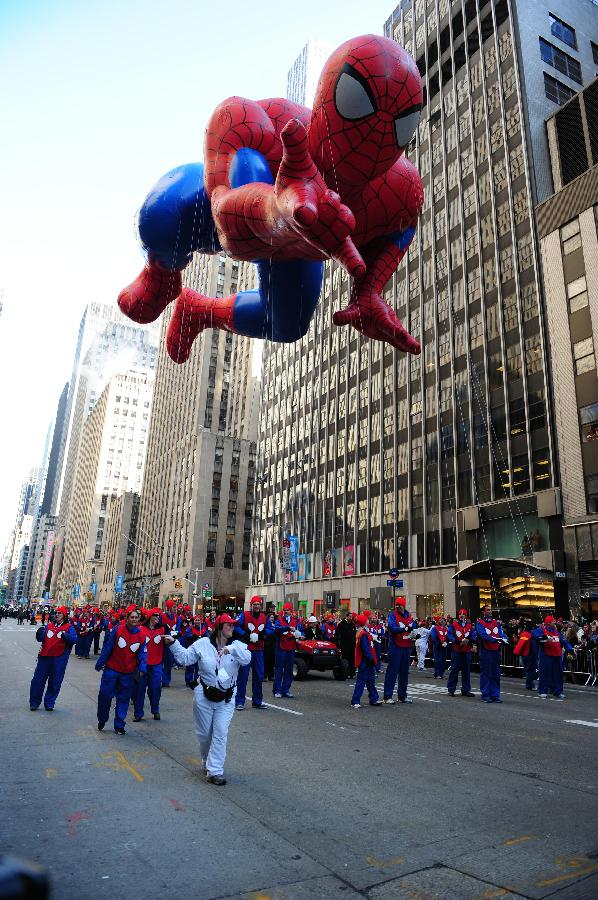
(207, 584)
(286, 555)
(393, 573)
(206, 594)
(394, 582)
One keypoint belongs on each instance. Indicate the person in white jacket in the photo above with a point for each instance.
(421, 644)
(219, 658)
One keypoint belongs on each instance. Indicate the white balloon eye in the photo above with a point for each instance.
(353, 96)
(405, 126)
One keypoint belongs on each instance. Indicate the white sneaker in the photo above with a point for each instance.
(278, 696)
(543, 696)
(389, 702)
(356, 705)
(560, 696)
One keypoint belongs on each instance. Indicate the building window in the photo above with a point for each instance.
(570, 237)
(592, 493)
(594, 52)
(562, 31)
(588, 417)
(557, 91)
(577, 294)
(583, 353)
(560, 61)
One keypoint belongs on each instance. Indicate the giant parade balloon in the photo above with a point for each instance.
(287, 187)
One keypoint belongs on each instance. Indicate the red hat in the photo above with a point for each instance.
(255, 599)
(400, 601)
(225, 619)
(287, 606)
(156, 611)
(169, 604)
(186, 608)
(462, 612)
(130, 609)
(63, 610)
(549, 620)
(362, 620)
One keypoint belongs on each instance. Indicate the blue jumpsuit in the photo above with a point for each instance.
(460, 662)
(490, 660)
(398, 659)
(119, 685)
(550, 668)
(283, 661)
(439, 652)
(366, 673)
(51, 669)
(256, 666)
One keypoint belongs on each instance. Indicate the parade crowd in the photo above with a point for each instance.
(140, 647)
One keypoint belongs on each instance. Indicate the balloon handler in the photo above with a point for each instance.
(123, 659)
(218, 659)
(57, 640)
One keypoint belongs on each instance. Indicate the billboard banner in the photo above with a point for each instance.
(349, 559)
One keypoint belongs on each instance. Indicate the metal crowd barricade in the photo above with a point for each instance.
(583, 666)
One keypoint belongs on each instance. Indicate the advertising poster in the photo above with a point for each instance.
(302, 567)
(349, 560)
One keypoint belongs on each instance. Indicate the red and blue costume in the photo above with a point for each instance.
(462, 638)
(252, 630)
(527, 649)
(191, 631)
(288, 187)
(378, 632)
(551, 644)
(366, 661)
(491, 637)
(285, 628)
(150, 681)
(400, 645)
(123, 657)
(173, 621)
(438, 634)
(57, 642)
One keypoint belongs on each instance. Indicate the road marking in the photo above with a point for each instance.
(72, 820)
(293, 712)
(581, 722)
(384, 863)
(579, 868)
(520, 840)
(118, 762)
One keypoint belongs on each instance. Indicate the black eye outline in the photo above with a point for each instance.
(348, 69)
(416, 108)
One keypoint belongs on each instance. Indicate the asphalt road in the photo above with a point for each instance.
(446, 798)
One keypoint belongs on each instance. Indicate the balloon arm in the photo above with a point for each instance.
(367, 311)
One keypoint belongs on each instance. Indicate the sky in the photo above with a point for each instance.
(98, 100)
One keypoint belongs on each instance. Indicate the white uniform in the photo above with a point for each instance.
(421, 645)
(212, 719)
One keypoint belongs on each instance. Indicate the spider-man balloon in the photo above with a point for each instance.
(287, 188)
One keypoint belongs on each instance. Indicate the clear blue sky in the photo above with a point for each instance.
(98, 100)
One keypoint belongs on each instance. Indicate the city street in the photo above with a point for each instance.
(448, 797)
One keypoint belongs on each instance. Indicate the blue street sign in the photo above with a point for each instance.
(393, 573)
(294, 540)
(118, 586)
(394, 582)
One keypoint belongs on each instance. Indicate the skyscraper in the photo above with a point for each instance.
(302, 79)
(110, 461)
(567, 227)
(441, 465)
(197, 499)
(108, 344)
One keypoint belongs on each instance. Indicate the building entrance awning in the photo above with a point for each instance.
(503, 568)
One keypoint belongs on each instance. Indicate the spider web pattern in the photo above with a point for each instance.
(354, 152)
